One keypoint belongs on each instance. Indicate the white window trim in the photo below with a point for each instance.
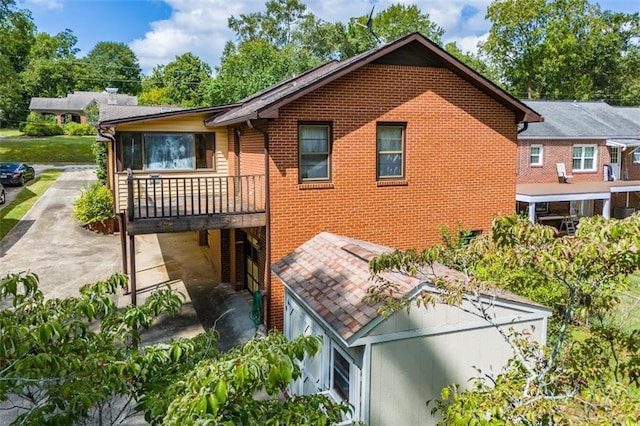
(540, 155)
(582, 158)
(354, 381)
(635, 156)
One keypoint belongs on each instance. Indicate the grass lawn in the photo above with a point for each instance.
(629, 309)
(9, 133)
(11, 214)
(47, 150)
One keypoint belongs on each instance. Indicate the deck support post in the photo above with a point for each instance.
(132, 274)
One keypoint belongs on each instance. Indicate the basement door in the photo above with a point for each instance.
(253, 262)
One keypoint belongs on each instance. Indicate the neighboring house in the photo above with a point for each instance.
(387, 147)
(599, 147)
(387, 368)
(72, 107)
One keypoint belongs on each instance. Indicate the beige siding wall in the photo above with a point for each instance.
(221, 163)
(407, 373)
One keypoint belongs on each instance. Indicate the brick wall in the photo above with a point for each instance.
(460, 162)
(558, 151)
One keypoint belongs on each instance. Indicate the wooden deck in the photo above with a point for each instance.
(170, 204)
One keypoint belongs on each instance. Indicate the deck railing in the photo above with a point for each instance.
(165, 197)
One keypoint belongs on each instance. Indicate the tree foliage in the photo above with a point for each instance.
(80, 360)
(112, 64)
(589, 371)
(184, 78)
(562, 49)
(17, 35)
(52, 68)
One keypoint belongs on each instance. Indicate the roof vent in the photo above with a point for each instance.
(359, 252)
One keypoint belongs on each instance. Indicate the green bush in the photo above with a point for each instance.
(42, 129)
(99, 150)
(77, 129)
(95, 204)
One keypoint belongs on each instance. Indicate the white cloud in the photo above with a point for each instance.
(43, 4)
(200, 26)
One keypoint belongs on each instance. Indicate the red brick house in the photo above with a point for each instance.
(599, 147)
(386, 147)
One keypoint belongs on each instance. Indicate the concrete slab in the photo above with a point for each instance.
(49, 242)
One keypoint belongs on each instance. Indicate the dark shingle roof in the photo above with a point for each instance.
(116, 112)
(330, 273)
(413, 49)
(572, 119)
(78, 101)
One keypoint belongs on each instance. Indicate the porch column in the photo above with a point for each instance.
(606, 208)
(532, 212)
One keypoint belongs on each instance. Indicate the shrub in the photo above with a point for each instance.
(95, 204)
(42, 129)
(77, 129)
(100, 153)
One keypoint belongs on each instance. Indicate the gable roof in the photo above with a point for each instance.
(330, 274)
(77, 101)
(412, 49)
(583, 120)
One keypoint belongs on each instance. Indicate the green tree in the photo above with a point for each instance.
(253, 65)
(564, 49)
(487, 69)
(589, 372)
(80, 360)
(399, 20)
(112, 64)
(184, 79)
(52, 67)
(17, 35)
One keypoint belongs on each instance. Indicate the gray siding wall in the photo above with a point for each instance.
(407, 373)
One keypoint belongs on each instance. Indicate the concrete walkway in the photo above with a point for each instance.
(49, 242)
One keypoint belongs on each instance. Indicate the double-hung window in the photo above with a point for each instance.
(535, 155)
(390, 150)
(584, 158)
(314, 147)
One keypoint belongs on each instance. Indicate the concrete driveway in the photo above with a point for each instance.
(65, 256)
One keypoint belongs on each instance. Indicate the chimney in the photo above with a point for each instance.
(112, 95)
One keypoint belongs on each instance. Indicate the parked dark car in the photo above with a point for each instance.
(16, 173)
(3, 195)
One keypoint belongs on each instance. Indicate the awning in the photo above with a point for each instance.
(624, 143)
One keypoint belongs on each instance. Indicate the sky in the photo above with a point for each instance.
(159, 30)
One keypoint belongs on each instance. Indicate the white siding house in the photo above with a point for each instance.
(388, 368)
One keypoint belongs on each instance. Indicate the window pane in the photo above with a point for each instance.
(205, 151)
(389, 138)
(314, 166)
(577, 164)
(390, 165)
(577, 151)
(588, 163)
(341, 369)
(314, 139)
(131, 149)
(168, 152)
(589, 151)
